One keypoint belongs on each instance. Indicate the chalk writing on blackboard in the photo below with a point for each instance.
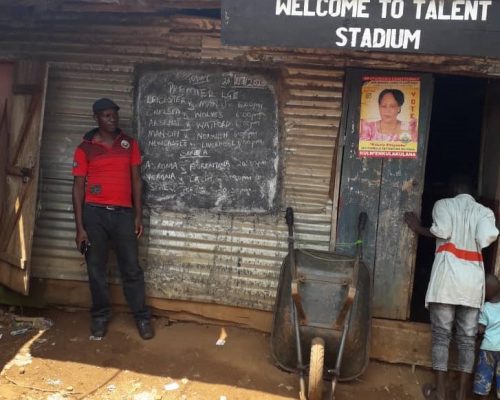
(209, 140)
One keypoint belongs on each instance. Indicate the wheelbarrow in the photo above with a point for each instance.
(322, 315)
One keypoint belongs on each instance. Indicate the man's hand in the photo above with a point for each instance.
(412, 221)
(81, 236)
(415, 225)
(139, 229)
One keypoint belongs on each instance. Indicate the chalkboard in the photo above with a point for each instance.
(209, 140)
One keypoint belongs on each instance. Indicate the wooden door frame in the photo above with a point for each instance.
(4, 140)
(339, 156)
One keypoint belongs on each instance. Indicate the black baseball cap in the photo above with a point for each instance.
(104, 104)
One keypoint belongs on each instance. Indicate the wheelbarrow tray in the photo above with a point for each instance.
(324, 279)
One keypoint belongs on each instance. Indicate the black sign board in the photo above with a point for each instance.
(454, 27)
(209, 140)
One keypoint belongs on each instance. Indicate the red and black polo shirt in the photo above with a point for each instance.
(107, 169)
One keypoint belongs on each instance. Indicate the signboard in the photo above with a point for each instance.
(388, 126)
(455, 27)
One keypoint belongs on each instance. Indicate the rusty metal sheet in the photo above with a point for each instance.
(198, 256)
(223, 259)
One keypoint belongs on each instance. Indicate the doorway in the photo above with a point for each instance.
(454, 147)
(383, 187)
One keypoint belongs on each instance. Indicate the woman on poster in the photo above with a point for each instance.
(389, 128)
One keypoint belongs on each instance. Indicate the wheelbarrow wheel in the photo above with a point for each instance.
(316, 364)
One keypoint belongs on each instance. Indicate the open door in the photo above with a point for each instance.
(385, 188)
(489, 178)
(20, 133)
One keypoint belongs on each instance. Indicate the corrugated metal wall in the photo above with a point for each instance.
(71, 90)
(223, 259)
(217, 258)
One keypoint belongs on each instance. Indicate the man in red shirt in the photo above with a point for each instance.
(107, 191)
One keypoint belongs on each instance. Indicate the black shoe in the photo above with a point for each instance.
(99, 327)
(145, 329)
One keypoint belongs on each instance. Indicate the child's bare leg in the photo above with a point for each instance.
(464, 383)
(441, 385)
(437, 391)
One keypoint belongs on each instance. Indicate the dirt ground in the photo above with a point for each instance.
(182, 362)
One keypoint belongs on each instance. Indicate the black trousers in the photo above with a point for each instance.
(103, 225)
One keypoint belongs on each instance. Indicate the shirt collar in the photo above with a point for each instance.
(465, 196)
(89, 136)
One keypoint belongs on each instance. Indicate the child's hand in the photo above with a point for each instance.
(412, 221)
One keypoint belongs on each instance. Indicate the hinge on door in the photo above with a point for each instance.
(23, 172)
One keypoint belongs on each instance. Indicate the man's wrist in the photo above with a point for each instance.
(421, 230)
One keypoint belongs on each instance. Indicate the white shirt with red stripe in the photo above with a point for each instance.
(463, 227)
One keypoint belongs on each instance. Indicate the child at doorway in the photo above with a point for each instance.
(488, 364)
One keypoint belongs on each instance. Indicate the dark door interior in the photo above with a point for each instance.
(489, 174)
(454, 147)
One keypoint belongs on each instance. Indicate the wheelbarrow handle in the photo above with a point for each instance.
(353, 286)
(291, 242)
(363, 217)
(289, 216)
(293, 267)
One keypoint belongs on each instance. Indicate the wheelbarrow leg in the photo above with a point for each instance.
(295, 302)
(338, 361)
(300, 364)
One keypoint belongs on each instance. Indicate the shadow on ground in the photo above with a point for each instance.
(183, 355)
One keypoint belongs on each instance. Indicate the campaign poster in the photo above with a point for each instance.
(389, 117)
